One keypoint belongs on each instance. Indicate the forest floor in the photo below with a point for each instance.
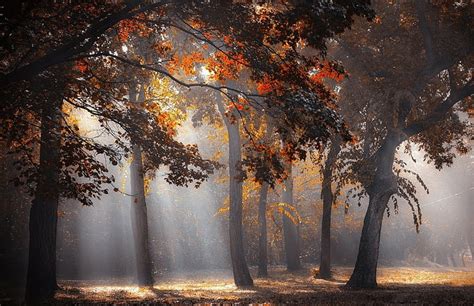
(396, 285)
(402, 285)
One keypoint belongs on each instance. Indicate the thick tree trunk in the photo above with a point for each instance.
(242, 277)
(241, 272)
(290, 231)
(41, 277)
(140, 220)
(328, 199)
(381, 189)
(365, 271)
(262, 229)
(139, 213)
(470, 225)
(441, 256)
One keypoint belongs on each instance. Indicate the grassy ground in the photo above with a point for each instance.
(396, 286)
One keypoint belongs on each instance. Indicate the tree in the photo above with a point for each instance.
(91, 44)
(138, 207)
(61, 139)
(262, 235)
(262, 217)
(41, 278)
(328, 198)
(239, 265)
(290, 230)
(410, 83)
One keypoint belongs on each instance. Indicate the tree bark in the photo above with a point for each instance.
(41, 276)
(139, 210)
(290, 231)
(242, 277)
(262, 227)
(262, 216)
(328, 199)
(365, 271)
(470, 225)
(384, 184)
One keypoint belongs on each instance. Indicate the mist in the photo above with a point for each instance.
(248, 152)
(187, 235)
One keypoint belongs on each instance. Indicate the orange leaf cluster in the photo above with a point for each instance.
(127, 26)
(81, 65)
(267, 85)
(167, 122)
(187, 63)
(162, 118)
(225, 66)
(326, 71)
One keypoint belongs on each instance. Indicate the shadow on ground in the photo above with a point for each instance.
(396, 286)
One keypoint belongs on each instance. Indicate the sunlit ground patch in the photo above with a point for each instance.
(397, 284)
(408, 276)
(105, 293)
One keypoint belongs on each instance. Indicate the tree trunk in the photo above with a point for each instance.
(328, 199)
(41, 277)
(262, 217)
(290, 232)
(453, 261)
(470, 225)
(384, 184)
(262, 227)
(463, 260)
(139, 211)
(471, 240)
(365, 271)
(240, 269)
(441, 256)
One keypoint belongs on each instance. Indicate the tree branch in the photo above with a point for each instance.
(425, 31)
(440, 111)
(75, 46)
(173, 78)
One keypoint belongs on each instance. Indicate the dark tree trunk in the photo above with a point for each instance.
(328, 199)
(241, 272)
(41, 277)
(242, 277)
(453, 261)
(365, 271)
(381, 189)
(290, 231)
(139, 212)
(262, 228)
(470, 226)
(441, 256)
